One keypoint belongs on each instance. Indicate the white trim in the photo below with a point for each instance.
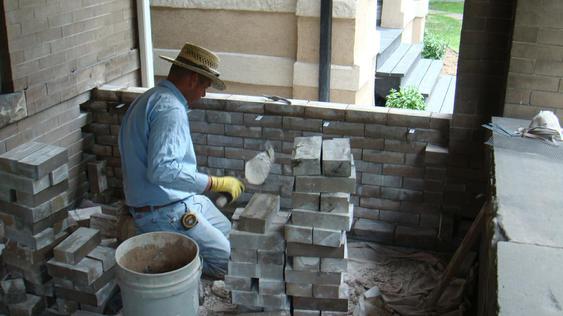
(283, 6)
(242, 68)
(145, 43)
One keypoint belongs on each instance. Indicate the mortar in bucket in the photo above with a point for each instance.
(158, 274)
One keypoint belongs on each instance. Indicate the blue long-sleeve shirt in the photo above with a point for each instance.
(157, 155)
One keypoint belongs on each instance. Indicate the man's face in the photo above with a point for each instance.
(196, 88)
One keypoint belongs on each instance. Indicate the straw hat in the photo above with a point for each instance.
(200, 60)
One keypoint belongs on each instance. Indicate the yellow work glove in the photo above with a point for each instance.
(230, 185)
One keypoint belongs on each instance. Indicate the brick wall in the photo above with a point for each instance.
(535, 78)
(58, 51)
(486, 39)
(400, 178)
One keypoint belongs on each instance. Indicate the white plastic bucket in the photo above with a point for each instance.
(158, 274)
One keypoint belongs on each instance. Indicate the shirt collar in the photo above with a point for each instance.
(169, 85)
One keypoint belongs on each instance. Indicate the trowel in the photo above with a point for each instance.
(256, 170)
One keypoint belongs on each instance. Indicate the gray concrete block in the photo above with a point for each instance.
(238, 283)
(104, 254)
(336, 221)
(330, 291)
(59, 174)
(306, 156)
(76, 246)
(271, 271)
(35, 242)
(273, 240)
(311, 264)
(258, 213)
(327, 237)
(93, 299)
(336, 157)
(271, 287)
(271, 257)
(9, 159)
(299, 234)
(96, 285)
(33, 305)
(244, 255)
(23, 184)
(326, 184)
(82, 273)
(305, 200)
(337, 202)
(325, 304)
(30, 215)
(33, 200)
(335, 264)
(298, 289)
(309, 277)
(246, 298)
(82, 216)
(279, 301)
(297, 249)
(243, 269)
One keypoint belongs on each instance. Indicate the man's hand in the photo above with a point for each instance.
(230, 185)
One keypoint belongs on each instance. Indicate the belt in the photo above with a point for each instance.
(147, 208)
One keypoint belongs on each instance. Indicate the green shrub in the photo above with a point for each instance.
(434, 46)
(407, 98)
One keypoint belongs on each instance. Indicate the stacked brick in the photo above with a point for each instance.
(33, 201)
(83, 272)
(325, 176)
(256, 266)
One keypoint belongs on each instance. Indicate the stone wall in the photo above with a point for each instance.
(400, 168)
(535, 78)
(58, 51)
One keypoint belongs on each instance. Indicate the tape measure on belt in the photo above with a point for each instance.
(189, 220)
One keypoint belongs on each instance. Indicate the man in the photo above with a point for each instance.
(161, 183)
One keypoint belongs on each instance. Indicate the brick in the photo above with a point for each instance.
(306, 156)
(106, 224)
(218, 140)
(387, 132)
(305, 200)
(335, 264)
(336, 157)
(374, 230)
(301, 124)
(243, 131)
(9, 159)
(271, 287)
(270, 271)
(266, 257)
(326, 184)
(94, 299)
(299, 234)
(337, 221)
(275, 302)
(102, 150)
(59, 174)
(325, 110)
(34, 200)
(238, 283)
(224, 117)
(82, 216)
(106, 255)
(334, 202)
(311, 264)
(243, 269)
(258, 213)
(329, 291)
(343, 128)
(298, 289)
(402, 170)
(245, 103)
(262, 120)
(325, 304)
(244, 255)
(273, 240)
(424, 238)
(23, 184)
(310, 277)
(225, 163)
(83, 273)
(541, 98)
(367, 114)
(381, 180)
(33, 305)
(297, 249)
(364, 166)
(408, 118)
(383, 156)
(30, 215)
(327, 237)
(76, 246)
(405, 147)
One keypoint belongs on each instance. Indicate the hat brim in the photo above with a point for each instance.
(215, 81)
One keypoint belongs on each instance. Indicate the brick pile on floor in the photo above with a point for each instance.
(83, 272)
(321, 215)
(256, 266)
(33, 201)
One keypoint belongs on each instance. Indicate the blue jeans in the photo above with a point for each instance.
(211, 232)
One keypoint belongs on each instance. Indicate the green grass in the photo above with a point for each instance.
(450, 7)
(446, 28)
